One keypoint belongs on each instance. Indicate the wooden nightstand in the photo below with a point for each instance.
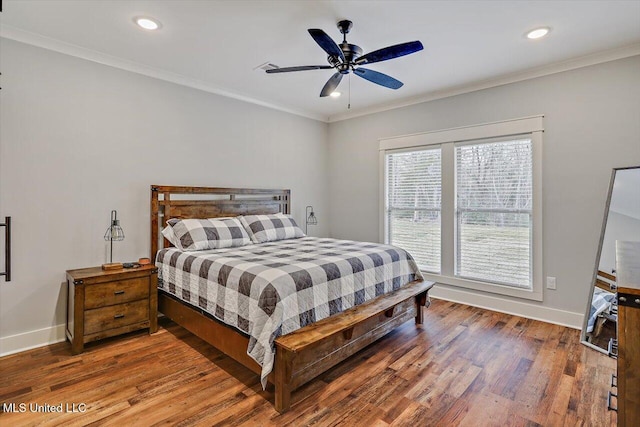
(103, 304)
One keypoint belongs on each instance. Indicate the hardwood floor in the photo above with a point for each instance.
(608, 332)
(464, 366)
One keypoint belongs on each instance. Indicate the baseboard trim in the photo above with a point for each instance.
(516, 308)
(32, 339)
(54, 334)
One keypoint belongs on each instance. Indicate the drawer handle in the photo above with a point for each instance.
(118, 316)
(118, 293)
(347, 333)
(609, 406)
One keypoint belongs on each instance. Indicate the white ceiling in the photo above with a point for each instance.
(215, 45)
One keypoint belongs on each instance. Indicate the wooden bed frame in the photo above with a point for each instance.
(303, 354)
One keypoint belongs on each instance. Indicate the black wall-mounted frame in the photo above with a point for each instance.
(7, 248)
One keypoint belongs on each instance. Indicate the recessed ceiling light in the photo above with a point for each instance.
(335, 94)
(538, 32)
(147, 23)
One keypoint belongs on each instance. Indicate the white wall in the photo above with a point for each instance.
(619, 227)
(78, 139)
(592, 124)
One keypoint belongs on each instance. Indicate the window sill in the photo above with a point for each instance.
(534, 294)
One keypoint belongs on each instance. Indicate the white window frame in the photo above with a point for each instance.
(533, 128)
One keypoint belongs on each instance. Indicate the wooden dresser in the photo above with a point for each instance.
(628, 376)
(104, 304)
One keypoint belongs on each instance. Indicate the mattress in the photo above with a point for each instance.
(270, 289)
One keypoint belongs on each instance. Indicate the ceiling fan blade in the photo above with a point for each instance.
(378, 78)
(300, 68)
(326, 43)
(331, 85)
(390, 52)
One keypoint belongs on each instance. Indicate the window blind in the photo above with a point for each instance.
(413, 202)
(494, 202)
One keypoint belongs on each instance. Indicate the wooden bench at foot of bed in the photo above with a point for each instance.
(308, 352)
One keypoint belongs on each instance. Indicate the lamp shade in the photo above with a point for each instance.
(311, 219)
(114, 232)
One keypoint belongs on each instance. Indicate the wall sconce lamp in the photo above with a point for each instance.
(311, 218)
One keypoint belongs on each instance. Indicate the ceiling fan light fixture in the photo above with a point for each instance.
(537, 33)
(147, 23)
(335, 94)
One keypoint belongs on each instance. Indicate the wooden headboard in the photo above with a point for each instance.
(209, 202)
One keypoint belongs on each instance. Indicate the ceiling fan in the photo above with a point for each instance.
(347, 57)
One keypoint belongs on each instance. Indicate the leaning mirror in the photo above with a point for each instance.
(621, 222)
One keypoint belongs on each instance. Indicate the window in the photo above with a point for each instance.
(413, 205)
(466, 204)
(494, 204)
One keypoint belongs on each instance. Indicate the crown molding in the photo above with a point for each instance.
(27, 37)
(558, 67)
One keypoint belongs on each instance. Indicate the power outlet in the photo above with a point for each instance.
(551, 282)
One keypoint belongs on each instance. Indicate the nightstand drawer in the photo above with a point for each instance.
(115, 316)
(111, 293)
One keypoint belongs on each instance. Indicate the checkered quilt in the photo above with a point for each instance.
(270, 289)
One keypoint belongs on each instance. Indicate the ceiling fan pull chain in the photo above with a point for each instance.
(349, 105)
